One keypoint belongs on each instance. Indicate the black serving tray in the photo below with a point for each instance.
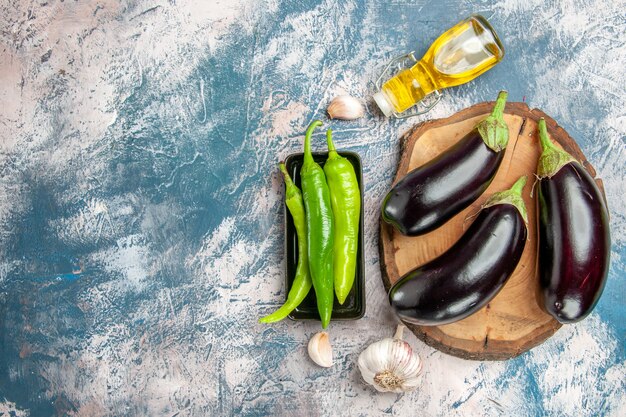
(354, 306)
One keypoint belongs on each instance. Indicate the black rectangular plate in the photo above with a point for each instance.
(354, 306)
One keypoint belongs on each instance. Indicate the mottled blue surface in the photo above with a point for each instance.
(141, 208)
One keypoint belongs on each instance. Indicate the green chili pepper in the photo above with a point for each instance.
(345, 198)
(302, 282)
(319, 224)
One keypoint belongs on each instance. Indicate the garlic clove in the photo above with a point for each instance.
(345, 108)
(391, 365)
(320, 350)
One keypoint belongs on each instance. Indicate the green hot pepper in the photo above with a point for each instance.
(345, 198)
(319, 224)
(302, 282)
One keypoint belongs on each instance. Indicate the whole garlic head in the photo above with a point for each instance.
(390, 365)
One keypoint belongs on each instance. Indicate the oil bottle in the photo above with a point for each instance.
(459, 55)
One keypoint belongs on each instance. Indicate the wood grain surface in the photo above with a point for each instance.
(512, 322)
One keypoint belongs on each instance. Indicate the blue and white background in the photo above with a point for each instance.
(141, 207)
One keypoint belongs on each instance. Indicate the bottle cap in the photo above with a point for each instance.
(383, 103)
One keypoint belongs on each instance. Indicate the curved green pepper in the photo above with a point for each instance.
(345, 198)
(302, 282)
(320, 231)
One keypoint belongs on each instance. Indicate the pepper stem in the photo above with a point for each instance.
(332, 152)
(493, 128)
(512, 196)
(552, 157)
(291, 190)
(308, 156)
(286, 175)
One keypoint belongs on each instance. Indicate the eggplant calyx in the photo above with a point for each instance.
(493, 128)
(552, 158)
(512, 196)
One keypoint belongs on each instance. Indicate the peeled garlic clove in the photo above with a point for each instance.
(345, 108)
(320, 351)
(391, 364)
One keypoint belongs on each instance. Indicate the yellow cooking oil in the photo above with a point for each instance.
(459, 55)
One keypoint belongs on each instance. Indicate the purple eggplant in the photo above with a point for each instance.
(469, 274)
(574, 238)
(433, 193)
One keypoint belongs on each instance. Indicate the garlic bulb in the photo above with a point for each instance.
(391, 365)
(345, 108)
(320, 351)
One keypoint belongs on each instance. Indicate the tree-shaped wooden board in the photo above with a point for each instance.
(512, 322)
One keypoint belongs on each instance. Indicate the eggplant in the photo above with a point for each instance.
(574, 237)
(472, 272)
(430, 195)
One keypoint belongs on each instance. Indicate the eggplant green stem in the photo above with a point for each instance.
(498, 108)
(308, 157)
(512, 196)
(519, 185)
(493, 128)
(552, 157)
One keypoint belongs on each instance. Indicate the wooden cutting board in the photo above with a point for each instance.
(512, 322)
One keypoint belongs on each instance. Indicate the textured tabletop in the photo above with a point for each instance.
(141, 231)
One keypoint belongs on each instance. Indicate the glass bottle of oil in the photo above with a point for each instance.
(459, 55)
